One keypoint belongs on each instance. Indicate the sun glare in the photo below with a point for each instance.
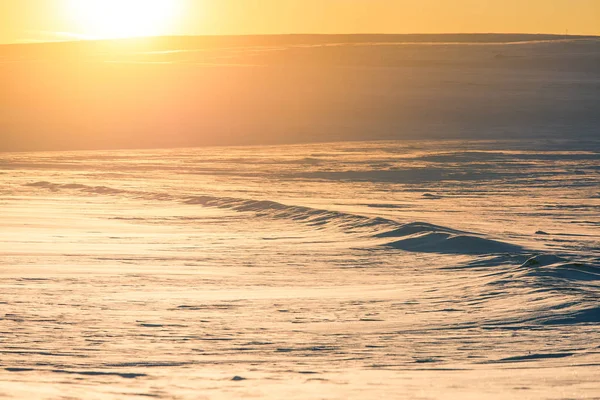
(106, 19)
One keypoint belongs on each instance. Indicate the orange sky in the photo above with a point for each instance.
(34, 20)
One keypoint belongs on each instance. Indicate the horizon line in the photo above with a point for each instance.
(95, 39)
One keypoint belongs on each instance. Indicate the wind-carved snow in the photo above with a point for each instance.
(350, 270)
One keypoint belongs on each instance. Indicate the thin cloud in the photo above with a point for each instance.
(37, 36)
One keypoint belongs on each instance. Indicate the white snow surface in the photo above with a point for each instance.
(407, 269)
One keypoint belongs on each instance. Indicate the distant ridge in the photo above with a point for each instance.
(186, 91)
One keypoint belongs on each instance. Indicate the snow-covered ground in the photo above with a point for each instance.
(411, 269)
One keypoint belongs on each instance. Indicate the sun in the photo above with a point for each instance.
(107, 19)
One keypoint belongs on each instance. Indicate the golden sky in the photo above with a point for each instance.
(40, 20)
